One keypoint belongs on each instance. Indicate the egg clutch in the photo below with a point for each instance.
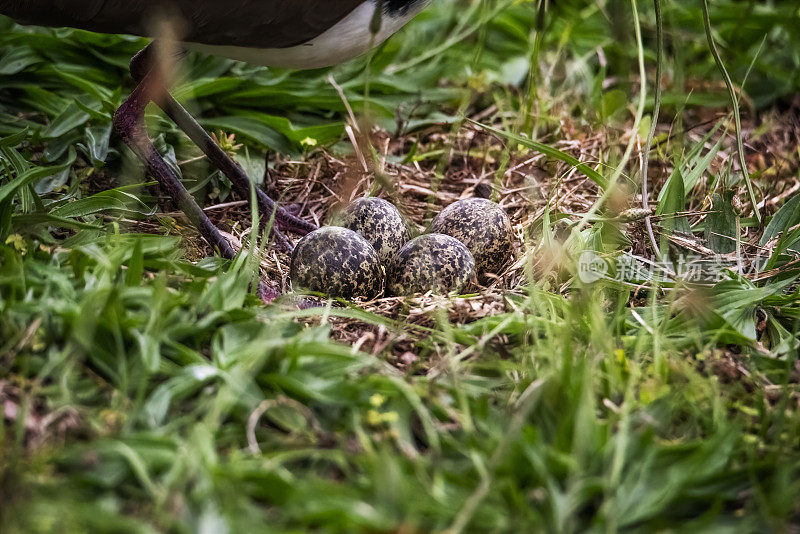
(368, 249)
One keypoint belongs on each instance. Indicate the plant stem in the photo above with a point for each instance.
(735, 102)
(654, 121)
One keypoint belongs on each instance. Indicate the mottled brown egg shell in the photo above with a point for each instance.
(435, 262)
(379, 222)
(338, 262)
(483, 227)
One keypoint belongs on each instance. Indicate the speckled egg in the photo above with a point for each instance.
(379, 222)
(338, 262)
(482, 226)
(435, 262)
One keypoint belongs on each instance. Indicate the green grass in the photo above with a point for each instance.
(141, 391)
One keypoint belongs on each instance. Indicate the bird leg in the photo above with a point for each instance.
(129, 123)
(284, 221)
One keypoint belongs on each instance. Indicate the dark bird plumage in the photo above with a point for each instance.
(287, 33)
(247, 23)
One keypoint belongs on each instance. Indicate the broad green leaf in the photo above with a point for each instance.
(97, 138)
(15, 60)
(29, 177)
(672, 201)
(71, 117)
(110, 200)
(612, 104)
(787, 217)
(721, 224)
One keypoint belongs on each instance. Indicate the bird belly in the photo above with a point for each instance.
(349, 38)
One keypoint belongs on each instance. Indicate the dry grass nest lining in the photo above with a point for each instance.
(323, 182)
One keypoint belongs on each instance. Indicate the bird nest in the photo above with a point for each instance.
(451, 166)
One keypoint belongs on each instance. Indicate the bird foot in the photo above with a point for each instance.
(266, 293)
